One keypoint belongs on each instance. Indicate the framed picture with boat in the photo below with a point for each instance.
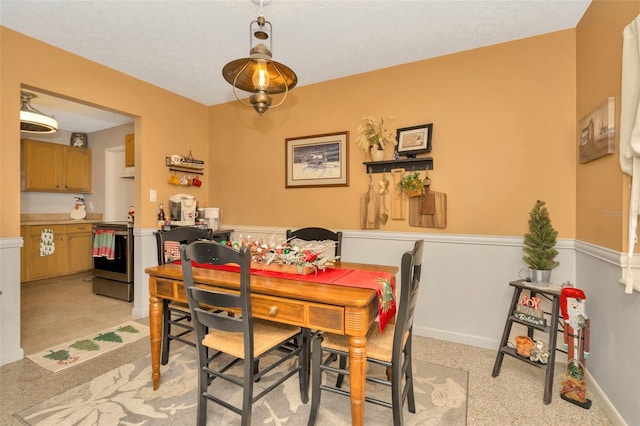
(317, 160)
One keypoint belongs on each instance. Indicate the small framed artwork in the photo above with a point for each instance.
(596, 136)
(79, 140)
(414, 140)
(318, 160)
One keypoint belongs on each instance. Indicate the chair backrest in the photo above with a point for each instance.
(213, 253)
(180, 235)
(318, 234)
(410, 270)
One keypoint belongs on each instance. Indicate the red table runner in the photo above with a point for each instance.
(383, 283)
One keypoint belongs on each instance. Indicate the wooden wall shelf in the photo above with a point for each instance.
(190, 165)
(185, 170)
(409, 164)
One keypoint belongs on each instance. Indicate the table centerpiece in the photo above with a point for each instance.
(285, 256)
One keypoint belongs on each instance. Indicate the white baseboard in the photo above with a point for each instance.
(449, 336)
(8, 357)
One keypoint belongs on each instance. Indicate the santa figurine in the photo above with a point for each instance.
(576, 343)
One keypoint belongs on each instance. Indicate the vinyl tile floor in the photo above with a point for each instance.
(58, 310)
(512, 398)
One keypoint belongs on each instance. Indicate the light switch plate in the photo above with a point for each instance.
(153, 195)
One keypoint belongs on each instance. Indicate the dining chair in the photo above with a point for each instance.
(244, 338)
(318, 234)
(176, 314)
(391, 349)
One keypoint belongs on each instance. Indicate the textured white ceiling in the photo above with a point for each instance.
(182, 45)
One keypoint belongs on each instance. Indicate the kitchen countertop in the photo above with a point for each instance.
(57, 219)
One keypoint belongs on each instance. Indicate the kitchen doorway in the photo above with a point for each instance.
(119, 188)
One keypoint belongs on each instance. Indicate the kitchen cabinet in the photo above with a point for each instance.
(53, 264)
(50, 167)
(79, 247)
(130, 150)
(72, 251)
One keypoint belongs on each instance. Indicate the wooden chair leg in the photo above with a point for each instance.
(247, 393)
(305, 361)
(411, 402)
(203, 384)
(396, 395)
(166, 328)
(256, 369)
(343, 366)
(316, 379)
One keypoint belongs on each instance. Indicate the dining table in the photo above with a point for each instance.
(290, 299)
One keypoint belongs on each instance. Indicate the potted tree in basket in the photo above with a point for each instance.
(411, 184)
(539, 245)
(372, 138)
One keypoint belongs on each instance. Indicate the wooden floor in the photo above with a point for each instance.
(62, 309)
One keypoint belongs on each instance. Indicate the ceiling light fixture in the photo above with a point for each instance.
(259, 74)
(32, 120)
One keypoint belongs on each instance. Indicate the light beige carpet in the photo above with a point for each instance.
(76, 351)
(125, 396)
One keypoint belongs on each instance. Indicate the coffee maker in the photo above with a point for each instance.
(182, 209)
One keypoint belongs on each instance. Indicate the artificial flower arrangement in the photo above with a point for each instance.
(285, 256)
(371, 135)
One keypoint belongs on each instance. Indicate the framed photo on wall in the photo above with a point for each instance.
(596, 135)
(414, 140)
(318, 160)
(79, 140)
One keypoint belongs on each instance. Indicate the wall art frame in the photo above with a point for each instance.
(79, 140)
(414, 140)
(317, 160)
(597, 132)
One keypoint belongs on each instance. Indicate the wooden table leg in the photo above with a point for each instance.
(155, 336)
(357, 370)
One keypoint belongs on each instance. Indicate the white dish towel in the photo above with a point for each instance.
(47, 246)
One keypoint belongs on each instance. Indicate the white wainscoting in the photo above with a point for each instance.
(614, 362)
(465, 289)
(464, 296)
(10, 349)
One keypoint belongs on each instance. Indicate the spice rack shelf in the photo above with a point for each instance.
(188, 166)
(185, 170)
(409, 164)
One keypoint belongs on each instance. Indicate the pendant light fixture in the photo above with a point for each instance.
(32, 120)
(259, 74)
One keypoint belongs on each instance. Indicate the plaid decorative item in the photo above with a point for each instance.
(171, 251)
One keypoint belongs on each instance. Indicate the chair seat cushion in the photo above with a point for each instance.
(379, 345)
(266, 335)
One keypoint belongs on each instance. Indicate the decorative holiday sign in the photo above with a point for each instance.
(528, 310)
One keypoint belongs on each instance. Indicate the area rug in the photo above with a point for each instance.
(125, 396)
(76, 351)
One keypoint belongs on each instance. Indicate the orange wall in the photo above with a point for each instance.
(602, 193)
(504, 135)
(169, 123)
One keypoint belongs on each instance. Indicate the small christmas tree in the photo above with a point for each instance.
(540, 241)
